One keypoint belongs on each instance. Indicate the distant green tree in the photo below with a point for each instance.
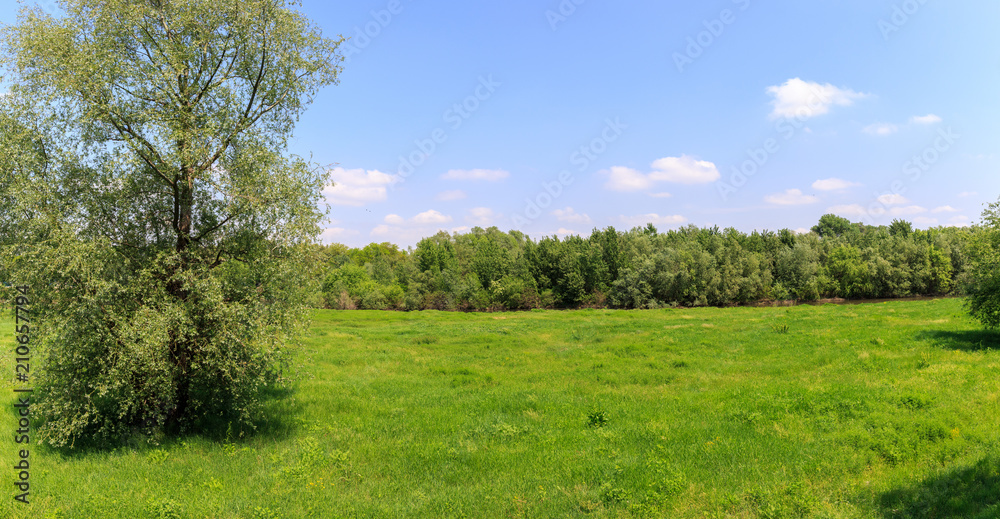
(850, 272)
(901, 228)
(832, 225)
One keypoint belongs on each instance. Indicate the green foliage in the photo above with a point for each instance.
(597, 418)
(154, 210)
(900, 228)
(984, 286)
(491, 270)
(831, 225)
(850, 272)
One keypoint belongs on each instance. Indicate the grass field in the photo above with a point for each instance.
(867, 411)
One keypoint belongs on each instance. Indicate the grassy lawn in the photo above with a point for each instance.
(873, 411)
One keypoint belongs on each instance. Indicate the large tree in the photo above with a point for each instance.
(984, 290)
(153, 206)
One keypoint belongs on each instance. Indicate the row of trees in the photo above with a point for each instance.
(487, 269)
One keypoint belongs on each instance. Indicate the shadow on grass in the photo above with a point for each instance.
(970, 340)
(277, 420)
(967, 493)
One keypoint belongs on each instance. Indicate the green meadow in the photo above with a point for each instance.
(856, 411)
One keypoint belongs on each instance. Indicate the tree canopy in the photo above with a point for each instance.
(155, 210)
(984, 294)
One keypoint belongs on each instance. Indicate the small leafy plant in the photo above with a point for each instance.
(597, 418)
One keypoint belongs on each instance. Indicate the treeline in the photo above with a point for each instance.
(487, 269)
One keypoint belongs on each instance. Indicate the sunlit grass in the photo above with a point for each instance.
(886, 410)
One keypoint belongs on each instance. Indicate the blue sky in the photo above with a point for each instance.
(553, 116)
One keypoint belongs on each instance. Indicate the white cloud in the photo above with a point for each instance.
(490, 175)
(621, 178)
(791, 197)
(404, 232)
(961, 221)
(661, 195)
(802, 99)
(833, 184)
(426, 218)
(570, 215)
(679, 170)
(332, 234)
(448, 196)
(394, 219)
(924, 220)
(653, 218)
(881, 129)
(893, 199)
(925, 119)
(847, 210)
(460, 229)
(381, 230)
(357, 187)
(802, 230)
(431, 217)
(684, 170)
(566, 232)
(907, 211)
(482, 217)
(944, 209)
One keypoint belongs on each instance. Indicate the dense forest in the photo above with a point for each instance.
(487, 269)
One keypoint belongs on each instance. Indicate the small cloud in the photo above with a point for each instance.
(881, 129)
(959, 221)
(653, 218)
(482, 217)
(802, 230)
(791, 197)
(460, 229)
(430, 218)
(907, 211)
(357, 187)
(925, 220)
(566, 232)
(489, 175)
(660, 195)
(833, 184)
(944, 209)
(571, 216)
(394, 219)
(333, 234)
(621, 178)
(925, 119)
(847, 211)
(405, 231)
(801, 99)
(448, 196)
(684, 170)
(679, 170)
(893, 199)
